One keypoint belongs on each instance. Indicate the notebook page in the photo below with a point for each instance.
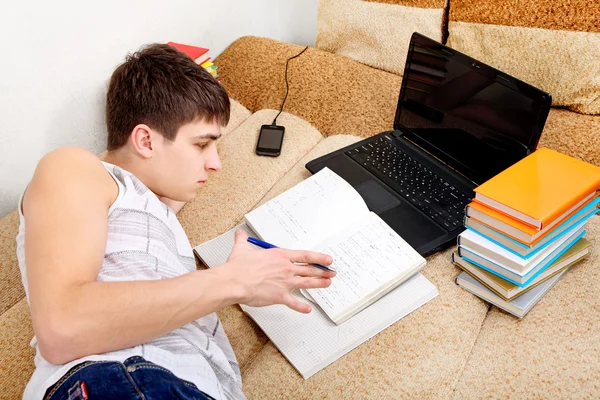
(309, 212)
(369, 260)
(216, 251)
(312, 341)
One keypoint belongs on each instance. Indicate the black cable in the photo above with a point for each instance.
(287, 88)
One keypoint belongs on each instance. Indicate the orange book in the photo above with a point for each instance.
(541, 189)
(513, 228)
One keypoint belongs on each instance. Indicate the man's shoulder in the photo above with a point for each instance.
(71, 154)
(74, 167)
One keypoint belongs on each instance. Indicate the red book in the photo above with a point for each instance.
(198, 54)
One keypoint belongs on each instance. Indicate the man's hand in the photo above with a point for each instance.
(268, 276)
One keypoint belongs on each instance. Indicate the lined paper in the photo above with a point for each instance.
(309, 212)
(369, 259)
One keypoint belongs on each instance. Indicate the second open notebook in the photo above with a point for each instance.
(324, 213)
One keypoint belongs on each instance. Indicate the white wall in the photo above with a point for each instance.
(56, 59)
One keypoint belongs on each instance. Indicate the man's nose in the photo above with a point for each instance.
(213, 163)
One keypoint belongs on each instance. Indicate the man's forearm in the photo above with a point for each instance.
(98, 317)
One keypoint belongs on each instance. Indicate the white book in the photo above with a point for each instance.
(519, 306)
(527, 251)
(312, 341)
(508, 291)
(325, 213)
(500, 255)
(521, 275)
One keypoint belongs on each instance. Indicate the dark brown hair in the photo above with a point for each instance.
(165, 89)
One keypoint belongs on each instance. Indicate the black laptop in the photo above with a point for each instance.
(458, 123)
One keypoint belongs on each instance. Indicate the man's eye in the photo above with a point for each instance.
(202, 145)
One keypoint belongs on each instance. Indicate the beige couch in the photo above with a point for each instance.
(456, 346)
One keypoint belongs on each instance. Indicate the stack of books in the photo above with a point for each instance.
(200, 55)
(525, 229)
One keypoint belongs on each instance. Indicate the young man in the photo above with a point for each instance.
(118, 308)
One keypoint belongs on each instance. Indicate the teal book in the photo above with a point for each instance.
(523, 250)
(493, 258)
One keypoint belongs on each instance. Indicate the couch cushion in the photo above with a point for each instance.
(239, 114)
(16, 356)
(298, 172)
(551, 44)
(574, 134)
(336, 94)
(234, 191)
(553, 351)
(377, 32)
(11, 288)
(420, 356)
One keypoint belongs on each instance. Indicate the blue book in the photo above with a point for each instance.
(523, 250)
(499, 261)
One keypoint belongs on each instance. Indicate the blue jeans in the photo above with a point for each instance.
(135, 378)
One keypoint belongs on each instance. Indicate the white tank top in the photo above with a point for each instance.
(147, 242)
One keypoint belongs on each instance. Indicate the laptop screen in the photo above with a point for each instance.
(472, 117)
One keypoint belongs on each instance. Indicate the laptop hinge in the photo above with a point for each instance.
(397, 133)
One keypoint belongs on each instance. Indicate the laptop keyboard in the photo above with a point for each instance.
(412, 180)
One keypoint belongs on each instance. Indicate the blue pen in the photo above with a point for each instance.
(266, 245)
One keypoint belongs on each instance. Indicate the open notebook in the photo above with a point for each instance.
(312, 341)
(325, 213)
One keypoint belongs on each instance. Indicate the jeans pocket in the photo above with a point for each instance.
(66, 387)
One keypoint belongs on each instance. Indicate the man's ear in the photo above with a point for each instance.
(142, 137)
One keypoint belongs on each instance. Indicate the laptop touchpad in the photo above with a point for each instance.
(378, 198)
